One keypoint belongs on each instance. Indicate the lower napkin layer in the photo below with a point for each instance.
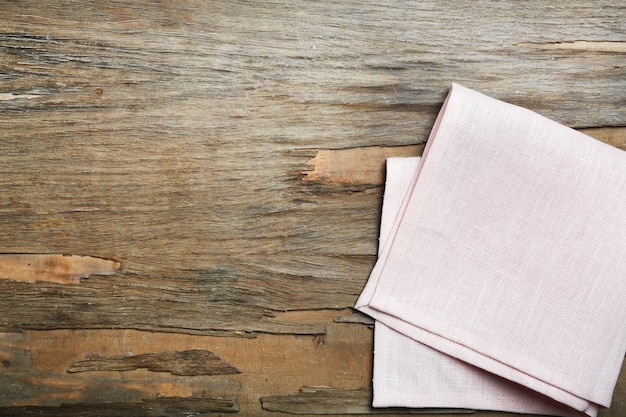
(507, 252)
(427, 378)
(410, 374)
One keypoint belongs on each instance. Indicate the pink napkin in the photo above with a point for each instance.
(504, 267)
(425, 377)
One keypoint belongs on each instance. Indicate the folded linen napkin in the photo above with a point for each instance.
(507, 255)
(426, 377)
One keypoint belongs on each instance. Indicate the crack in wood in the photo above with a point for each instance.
(184, 363)
(580, 45)
(14, 96)
(153, 407)
(213, 303)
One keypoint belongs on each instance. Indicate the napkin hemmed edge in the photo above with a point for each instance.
(471, 402)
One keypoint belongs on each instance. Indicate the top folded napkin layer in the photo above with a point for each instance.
(508, 251)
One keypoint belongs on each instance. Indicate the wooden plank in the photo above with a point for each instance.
(212, 303)
(187, 362)
(37, 363)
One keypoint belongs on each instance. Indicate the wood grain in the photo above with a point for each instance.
(229, 155)
(187, 363)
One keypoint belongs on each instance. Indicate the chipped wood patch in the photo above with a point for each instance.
(62, 269)
(326, 400)
(158, 406)
(357, 166)
(184, 363)
(355, 317)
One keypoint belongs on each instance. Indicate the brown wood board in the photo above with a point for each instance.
(175, 172)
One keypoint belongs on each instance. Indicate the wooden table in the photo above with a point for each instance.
(195, 187)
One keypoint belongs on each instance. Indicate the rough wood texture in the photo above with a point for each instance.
(187, 362)
(229, 155)
(34, 364)
(184, 305)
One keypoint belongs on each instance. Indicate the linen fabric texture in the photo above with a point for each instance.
(410, 374)
(501, 280)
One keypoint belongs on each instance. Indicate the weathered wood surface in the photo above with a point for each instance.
(222, 164)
